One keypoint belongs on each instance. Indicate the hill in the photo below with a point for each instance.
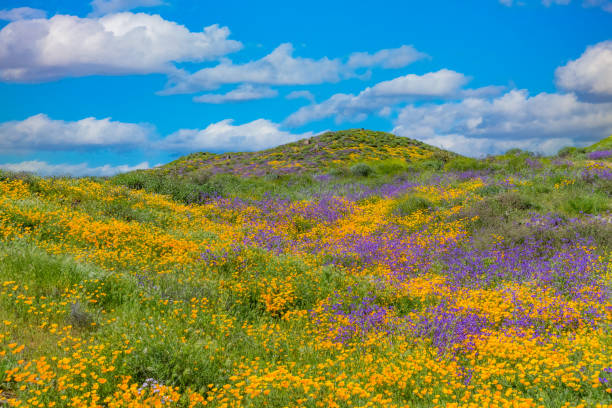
(603, 144)
(429, 280)
(316, 154)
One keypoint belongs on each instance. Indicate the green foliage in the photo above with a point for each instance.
(603, 144)
(182, 189)
(587, 204)
(488, 190)
(496, 211)
(569, 151)
(361, 170)
(391, 166)
(433, 165)
(411, 204)
(464, 164)
(518, 152)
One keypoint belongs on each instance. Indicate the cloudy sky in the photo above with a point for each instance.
(115, 85)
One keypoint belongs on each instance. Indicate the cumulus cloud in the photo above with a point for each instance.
(225, 136)
(301, 95)
(388, 58)
(279, 67)
(440, 84)
(21, 13)
(77, 170)
(101, 7)
(590, 76)
(123, 43)
(243, 93)
(39, 132)
(476, 126)
(480, 146)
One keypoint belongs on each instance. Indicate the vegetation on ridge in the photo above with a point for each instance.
(424, 279)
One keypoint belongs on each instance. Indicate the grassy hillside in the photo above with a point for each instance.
(329, 150)
(604, 144)
(397, 275)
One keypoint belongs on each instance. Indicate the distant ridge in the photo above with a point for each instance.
(319, 153)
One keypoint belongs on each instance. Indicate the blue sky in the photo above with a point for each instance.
(112, 85)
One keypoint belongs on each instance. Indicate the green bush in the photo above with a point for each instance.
(567, 151)
(431, 165)
(411, 204)
(588, 204)
(183, 189)
(361, 170)
(495, 211)
(390, 166)
(464, 164)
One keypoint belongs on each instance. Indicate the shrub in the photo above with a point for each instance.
(181, 189)
(494, 211)
(339, 172)
(588, 204)
(390, 166)
(431, 165)
(488, 190)
(361, 170)
(411, 204)
(518, 152)
(569, 151)
(464, 164)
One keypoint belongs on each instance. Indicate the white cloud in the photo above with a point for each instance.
(39, 132)
(481, 146)
(548, 3)
(440, 84)
(301, 95)
(77, 170)
(477, 126)
(124, 43)
(21, 13)
(277, 68)
(245, 92)
(590, 75)
(225, 136)
(280, 67)
(605, 5)
(101, 7)
(388, 58)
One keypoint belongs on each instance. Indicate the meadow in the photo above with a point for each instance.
(355, 269)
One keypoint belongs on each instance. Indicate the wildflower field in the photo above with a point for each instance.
(353, 269)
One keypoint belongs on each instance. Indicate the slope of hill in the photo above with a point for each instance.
(316, 154)
(445, 281)
(603, 144)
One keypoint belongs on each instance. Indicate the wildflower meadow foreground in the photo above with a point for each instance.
(354, 268)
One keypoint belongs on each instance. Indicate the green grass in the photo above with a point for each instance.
(411, 204)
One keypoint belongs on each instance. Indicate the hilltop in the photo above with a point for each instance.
(316, 154)
(332, 163)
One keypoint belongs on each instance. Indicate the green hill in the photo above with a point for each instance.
(381, 273)
(319, 153)
(603, 144)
